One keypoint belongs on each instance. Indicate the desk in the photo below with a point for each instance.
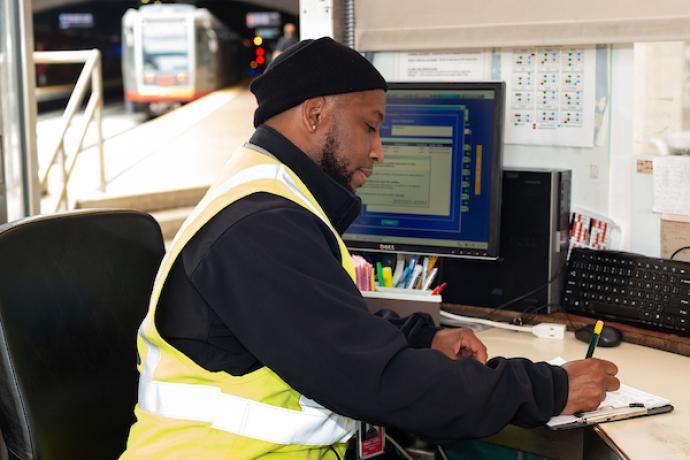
(665, 436)
(631, 334)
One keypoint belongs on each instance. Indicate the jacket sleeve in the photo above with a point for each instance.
(418, 328)
(274, 280)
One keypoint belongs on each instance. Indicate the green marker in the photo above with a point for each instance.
(379, 273)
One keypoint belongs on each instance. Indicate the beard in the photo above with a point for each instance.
(331, 164)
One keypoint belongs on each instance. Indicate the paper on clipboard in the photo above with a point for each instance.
(625, 402)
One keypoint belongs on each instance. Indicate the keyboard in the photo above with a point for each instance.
(630, 288)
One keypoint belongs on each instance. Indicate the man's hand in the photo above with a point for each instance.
(456, 342)
(588, 382)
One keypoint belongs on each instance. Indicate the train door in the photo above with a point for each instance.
(159, 61)
(205, 44)
(167, 58)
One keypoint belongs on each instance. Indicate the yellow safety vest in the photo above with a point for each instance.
(187, 412)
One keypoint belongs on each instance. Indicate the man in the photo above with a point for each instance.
(288, 39)
(257, 342)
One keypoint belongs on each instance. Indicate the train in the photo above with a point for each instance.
(175, 53)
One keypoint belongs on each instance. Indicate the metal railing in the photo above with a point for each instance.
(90, 75)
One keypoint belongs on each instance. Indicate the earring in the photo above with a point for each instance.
(313, 127)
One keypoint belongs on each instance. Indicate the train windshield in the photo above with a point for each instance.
(165, 46)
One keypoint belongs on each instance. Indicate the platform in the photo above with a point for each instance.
(165, 165)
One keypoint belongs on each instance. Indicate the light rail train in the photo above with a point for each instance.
(174, 54)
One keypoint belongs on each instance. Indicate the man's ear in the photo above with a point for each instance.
(311, 112)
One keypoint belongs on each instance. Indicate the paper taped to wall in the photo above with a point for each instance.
(672, 185)
(550, 95)
(471, 65)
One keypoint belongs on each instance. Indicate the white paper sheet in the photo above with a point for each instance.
(549, 95)
(621, 398)
(672, 184)
(432, 66)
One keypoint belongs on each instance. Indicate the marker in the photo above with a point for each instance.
(439, 289)
(387, 277)
(594, 340)
(379, 273)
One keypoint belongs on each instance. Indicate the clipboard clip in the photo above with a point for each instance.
(616, 414)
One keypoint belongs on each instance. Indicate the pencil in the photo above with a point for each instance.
(594, 340)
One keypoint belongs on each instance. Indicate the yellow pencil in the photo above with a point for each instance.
(594, 340)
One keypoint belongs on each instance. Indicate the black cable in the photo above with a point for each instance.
(567, 316)
(527, 294)
(531, 313)
(678, 251)
(516, 299)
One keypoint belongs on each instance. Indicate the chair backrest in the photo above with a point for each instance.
(74, 288)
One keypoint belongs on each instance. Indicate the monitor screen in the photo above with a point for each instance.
(438, 190)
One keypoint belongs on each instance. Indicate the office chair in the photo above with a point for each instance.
(74, 288)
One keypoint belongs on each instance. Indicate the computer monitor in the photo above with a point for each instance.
(438, 190)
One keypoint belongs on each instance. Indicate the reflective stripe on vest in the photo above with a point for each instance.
(313, 425)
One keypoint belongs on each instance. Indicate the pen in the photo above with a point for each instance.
(430, 279)
(594, 339)
(403, 279)
(399, 268)
(413, 278)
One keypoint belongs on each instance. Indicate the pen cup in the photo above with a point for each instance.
(404, 302)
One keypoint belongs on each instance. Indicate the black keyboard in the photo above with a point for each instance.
(629, 288)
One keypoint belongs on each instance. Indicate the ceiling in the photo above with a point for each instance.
(287, 6)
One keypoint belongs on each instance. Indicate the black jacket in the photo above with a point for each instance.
(262, 284)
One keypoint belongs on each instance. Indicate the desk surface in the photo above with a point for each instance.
(666, 374)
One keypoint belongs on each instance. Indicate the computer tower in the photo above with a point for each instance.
(533, 247)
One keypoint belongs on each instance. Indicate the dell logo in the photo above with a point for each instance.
(387, 247)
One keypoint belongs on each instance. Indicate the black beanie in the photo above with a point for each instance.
(309, 69)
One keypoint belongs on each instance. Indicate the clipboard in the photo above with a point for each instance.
(624, 403)
(603, 415)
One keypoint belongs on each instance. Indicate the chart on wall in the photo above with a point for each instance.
(550, 94)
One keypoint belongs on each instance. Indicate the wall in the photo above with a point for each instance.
(635, 102)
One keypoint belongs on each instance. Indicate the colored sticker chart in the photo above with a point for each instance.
(549, 95)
